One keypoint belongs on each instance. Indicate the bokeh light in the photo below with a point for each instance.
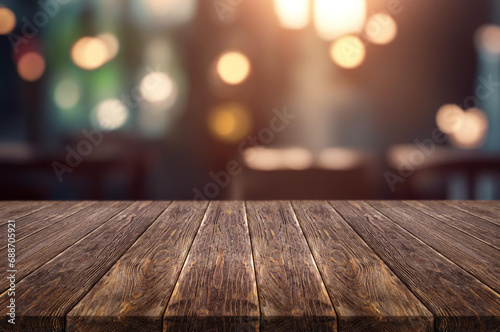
(488, 38)
(67, 94)
(292, 14)
(297, 158)
(112, 44)
(338, 159)
(334, 18)
(7, 21)
(381, 29)
(449, 118)
(472, 130)
(263, 159)
(158, 87)
(89, 53)
(31, 66)
(233, 67)
(164, 13)
(348, 52)
(111, 114)
(230, 122)
(269, 159)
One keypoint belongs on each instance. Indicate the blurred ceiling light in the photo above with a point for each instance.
(158, 87)
(230, 122)
(488, 38)
(338, 159)
(268, 159)
(293, 14)
(111, 114)
(381, 29)
(233, 67)
(89, 53)
(334, 18)
(31, 66)
(112, 44)
(449, 118)
(348, 52)
(7, 21)
(472, 130)
(67, 94)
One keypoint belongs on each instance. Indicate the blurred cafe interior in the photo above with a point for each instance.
(249, 99)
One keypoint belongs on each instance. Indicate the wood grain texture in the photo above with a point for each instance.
(216, 288)
(492, 204)
(35, 250)
(474, 256)
(17, 210)
(134, 293)
(465, 222)
(36, 221)
(479, 209)
(457, 299)
(366, 294)
(291, 292)
(44, 297)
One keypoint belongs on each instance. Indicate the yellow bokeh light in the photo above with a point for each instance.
(292, 14)
(230, 122)
(67, 94)
(31, 66)
(449, 118)
(472, 130)
(158, 87)
(233, 67)
(348, 52)
(334, 18)
(89, 53)
(111, 114)
(7, 21)
(381, 29)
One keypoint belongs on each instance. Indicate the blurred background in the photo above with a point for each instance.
(240, 99)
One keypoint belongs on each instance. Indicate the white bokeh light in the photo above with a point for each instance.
(157, 87)
(111, 114)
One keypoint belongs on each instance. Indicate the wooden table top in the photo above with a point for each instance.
(245, 266)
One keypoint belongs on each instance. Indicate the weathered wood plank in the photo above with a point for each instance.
(457, 299)
(474, 256)
(20, 209)
(44, 297)
(6, 204)
(292, 295)
(493, 204)
(479, 209)
(133, 295)
(35, 250)
(216, 287)
(465, 222)
(36, 221)
(366, 294)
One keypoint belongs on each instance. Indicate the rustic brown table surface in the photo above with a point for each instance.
(245, 266)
